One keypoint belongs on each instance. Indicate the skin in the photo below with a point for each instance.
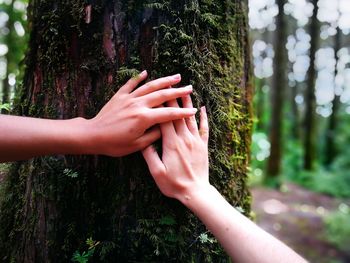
(126, 124)
(182, 173)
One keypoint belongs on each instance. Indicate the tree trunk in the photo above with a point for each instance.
(330, 148)
(277, 94)
(260, 103)
(294, 115)
(78, 55)
(310, 98)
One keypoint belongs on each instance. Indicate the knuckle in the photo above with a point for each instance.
(135, 103)
(173, 145)
(142, 115)
(147, 119)
(159, 171)
(188, 143)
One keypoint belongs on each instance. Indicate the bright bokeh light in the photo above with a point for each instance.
(262, 13)
(263, 146)
(301, 10)
(336, 13)
(331, 14)
(263, 59)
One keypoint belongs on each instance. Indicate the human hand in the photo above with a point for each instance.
(183, 168)
(122, 126)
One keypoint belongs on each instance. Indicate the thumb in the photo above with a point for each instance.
(155, 164)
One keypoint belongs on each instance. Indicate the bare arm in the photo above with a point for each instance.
(124, 125)
(182, 173)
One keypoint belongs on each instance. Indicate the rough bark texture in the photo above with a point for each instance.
(79, 53)
(277, 98)
(310, 97)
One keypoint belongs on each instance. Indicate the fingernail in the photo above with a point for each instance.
(194, 110)
(177, 76)
(189, 87)
(203, 109)
(143, 73)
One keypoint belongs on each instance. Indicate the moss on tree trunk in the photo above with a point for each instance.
(79, 53)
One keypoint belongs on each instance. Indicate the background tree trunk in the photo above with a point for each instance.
(310, 98)
(330, 148)
(9, 40)
(277, 94)
(78, 55)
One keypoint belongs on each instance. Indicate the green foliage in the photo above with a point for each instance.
(334, 181)
(338, 227)
(13, 36)
(204, 238)
(260, 150)
(86, 255)
(106, 248)
(327, 182)
(70, 173)
(5, 106)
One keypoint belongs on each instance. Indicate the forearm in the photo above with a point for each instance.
(24, 137)
(241, 238)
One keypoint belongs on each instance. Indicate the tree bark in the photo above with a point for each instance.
(79, 53)
(277, 94)
(310, 98)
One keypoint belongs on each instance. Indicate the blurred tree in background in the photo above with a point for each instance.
(315, 105)
(13, 41)
(278, 87)
(310, 97)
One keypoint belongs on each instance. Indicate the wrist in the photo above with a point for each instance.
(197, 195)
(81, 137)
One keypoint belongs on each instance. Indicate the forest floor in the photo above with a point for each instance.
(295, 216)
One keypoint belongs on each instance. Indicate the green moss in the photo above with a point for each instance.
(116, 201)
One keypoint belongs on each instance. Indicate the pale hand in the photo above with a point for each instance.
(183, 168)
(121, 127)
(126, 124)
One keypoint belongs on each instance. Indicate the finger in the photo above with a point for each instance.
(156, 98)
(133, 82)
(168, 132)
(157, 84)
(203, 125)
(180, 124)
(191, 121)
(161, 115)
(167, 128)
(155, 164)
(148, 138)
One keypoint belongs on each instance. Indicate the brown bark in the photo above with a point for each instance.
(277, 94)
(79, 54)
(310, 99)
(330, 148)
